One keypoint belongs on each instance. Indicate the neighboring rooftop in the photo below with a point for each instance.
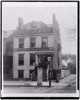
(6, 34)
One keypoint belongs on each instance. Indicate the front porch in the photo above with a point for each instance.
(43, 67)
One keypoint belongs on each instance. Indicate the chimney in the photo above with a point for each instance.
(55, 23)
(20, 23)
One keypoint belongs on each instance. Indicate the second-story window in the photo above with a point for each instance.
(32, 42)
(21, 42)
(44, 42)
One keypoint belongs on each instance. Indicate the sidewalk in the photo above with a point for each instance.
(63, 82)
(31, 84)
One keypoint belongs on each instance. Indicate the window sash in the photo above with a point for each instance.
(21, 59)
(21, 45)
(32, 42)
(21, 42)
(32, 59)
(44, 42)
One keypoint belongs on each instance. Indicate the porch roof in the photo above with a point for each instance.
(46, 52)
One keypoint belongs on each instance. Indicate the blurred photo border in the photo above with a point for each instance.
(1, 74)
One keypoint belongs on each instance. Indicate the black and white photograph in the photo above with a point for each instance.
(39, 49)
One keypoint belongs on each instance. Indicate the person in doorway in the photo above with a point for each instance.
(45, 67)
(47, 72)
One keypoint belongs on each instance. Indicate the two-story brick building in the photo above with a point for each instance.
(34, 42)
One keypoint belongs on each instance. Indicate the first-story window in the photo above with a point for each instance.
(21, 59)
(32, 59)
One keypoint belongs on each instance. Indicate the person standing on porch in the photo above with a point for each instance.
(46, 67)
(47, 72)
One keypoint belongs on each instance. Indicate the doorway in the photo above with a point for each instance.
(20, 74)
(43, 60)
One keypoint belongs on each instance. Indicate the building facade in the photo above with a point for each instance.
(32, 43)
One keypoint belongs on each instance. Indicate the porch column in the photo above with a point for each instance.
(39, 73)
(36, 59)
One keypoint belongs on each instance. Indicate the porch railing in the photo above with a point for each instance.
(33, 75)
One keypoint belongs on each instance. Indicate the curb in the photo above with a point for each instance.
(28, 85)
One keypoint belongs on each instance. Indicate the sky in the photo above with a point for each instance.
(66, 15)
